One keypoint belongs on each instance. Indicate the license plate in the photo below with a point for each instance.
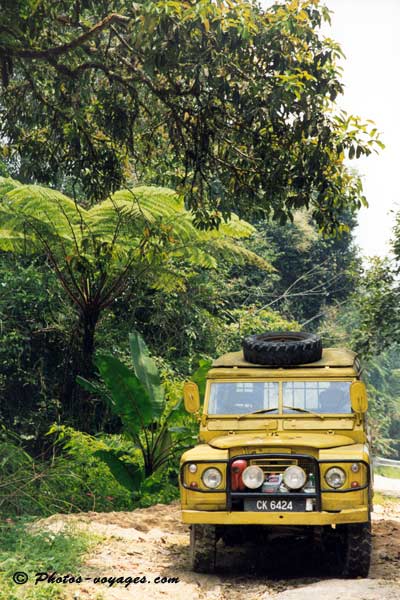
(274, 505)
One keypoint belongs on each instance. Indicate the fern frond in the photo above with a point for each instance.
(10, 240)
(7, 184)
(45, 204)
(236, 228)
(231, 248)
(197, 255)
(40, 217)
(168, 280)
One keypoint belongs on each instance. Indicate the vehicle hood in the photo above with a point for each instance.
(283, 440)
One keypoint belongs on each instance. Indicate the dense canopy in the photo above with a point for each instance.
(229, 101)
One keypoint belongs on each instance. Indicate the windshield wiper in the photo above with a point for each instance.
(304, 410)
(257, 412)
(266, 410)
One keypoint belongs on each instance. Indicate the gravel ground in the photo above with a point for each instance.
(153, 543)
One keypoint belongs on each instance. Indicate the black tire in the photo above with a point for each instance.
(203, 542)
(282, 348)
(357, 558)
(332, 551)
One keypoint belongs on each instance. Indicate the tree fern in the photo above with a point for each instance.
(43, 217)
(145, 233)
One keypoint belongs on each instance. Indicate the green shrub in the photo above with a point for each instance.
(95, 488)
(23, 547)
(35, 324)
(392, 472)
(29, 486)
(249, 321)
(72, 480)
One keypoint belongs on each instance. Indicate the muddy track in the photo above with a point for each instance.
(153, 542)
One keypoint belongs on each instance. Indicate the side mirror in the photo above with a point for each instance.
(191, 397)
(358, 397)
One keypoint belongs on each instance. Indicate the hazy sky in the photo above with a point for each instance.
(368, 32)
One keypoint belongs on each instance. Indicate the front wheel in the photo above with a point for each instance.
(203, 540)
(357, 550)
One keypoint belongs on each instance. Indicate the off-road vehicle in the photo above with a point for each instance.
(282, 443)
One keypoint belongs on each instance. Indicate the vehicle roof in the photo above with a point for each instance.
(331, 357)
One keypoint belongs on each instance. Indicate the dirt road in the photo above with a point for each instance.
(153, 543)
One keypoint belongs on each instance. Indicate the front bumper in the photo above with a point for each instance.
(350, 515)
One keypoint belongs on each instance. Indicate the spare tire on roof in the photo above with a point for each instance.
(282, 348)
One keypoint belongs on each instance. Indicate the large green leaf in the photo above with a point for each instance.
(147, 372)
(162, 450)
(129, 399)
(94, 387)
(127, 474)
(200, 375)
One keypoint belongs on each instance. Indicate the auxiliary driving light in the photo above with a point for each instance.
(253, 477)
(335, 477)
(212, 477)
(294, 477)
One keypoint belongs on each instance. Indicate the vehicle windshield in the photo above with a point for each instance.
(324, 397)
(241, 397)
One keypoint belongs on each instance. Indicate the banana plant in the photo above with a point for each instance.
(137, 396)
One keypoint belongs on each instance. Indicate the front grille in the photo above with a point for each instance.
(275, 465)
(272, 465)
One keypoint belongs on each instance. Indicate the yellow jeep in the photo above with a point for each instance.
(280, 445)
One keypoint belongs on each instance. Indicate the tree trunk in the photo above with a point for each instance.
(79, 408)
(88, 321)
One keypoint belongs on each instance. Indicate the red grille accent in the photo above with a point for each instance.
(237, 468)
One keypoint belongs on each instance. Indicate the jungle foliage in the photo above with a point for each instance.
(138, 398)
(136, 235)
(230, 102)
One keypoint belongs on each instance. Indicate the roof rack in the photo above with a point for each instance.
(331, 357)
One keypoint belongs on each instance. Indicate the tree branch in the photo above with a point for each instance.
(45, 53)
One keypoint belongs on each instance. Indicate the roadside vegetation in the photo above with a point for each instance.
(392, 472)
(28, 549)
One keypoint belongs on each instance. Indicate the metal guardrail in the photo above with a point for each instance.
(386, 462)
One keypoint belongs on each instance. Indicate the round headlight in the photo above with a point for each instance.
(212, 478)
(253, 477)
(294, 477)
(335, 477)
